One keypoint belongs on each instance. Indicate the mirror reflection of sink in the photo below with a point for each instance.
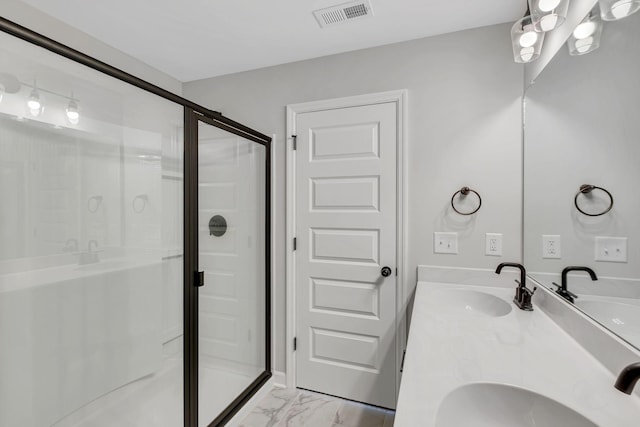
(497, 405)
(621, 318)
(455, 301)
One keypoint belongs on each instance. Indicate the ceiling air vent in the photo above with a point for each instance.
(342, 13)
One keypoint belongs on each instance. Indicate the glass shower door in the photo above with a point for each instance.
(232, 242)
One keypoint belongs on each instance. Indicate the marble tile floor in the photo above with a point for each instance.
(302, 408)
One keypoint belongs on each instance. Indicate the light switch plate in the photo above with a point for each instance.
(551, 248)
(493, 244)
(445, 243)
(611, 249)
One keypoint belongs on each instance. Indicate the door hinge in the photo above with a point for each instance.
(295, 243)
(295, 141)
(295, 344)
(396, 272)
(404, 353)
(199, 279)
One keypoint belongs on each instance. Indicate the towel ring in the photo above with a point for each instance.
(463, 192)
(140, 207)
(93, 203)
(586, 189)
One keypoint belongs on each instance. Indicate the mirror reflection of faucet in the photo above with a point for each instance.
(91, 255)
(563, 290)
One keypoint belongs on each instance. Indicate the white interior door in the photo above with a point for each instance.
(346, 212)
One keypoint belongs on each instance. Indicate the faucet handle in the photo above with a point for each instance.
(564, 291)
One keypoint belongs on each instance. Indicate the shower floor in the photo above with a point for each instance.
(156, 400)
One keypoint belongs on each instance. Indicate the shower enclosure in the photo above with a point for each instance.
(134, 248)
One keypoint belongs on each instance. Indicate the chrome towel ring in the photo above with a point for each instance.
(464, 191)
(586, 189)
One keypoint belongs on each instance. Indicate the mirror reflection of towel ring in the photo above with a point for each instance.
(93, 203)
(586, 189)
(464, 191)
(140, 203)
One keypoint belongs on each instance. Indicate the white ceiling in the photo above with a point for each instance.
(195, 39)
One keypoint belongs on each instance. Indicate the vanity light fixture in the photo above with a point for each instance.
(34, 104)
(73, 114)
(586, 36)
(526, 41)
(612, 10)
(548, 15)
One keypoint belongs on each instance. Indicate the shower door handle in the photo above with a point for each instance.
(199, 282)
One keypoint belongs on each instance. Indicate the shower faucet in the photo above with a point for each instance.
(523, 295)
(71, 245)
(91, 255)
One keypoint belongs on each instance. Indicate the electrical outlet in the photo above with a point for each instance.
(445, 243)
(611, 249)
(551, 248)
(493, 244)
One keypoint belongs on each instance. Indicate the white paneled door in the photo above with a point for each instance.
(345, 209)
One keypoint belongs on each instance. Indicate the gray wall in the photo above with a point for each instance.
(25, 15)
(464, 129)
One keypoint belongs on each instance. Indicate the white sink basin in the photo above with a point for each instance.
(621, 318)
(458, 301)
(498, 405)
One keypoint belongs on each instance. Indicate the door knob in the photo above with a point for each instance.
(386, 271)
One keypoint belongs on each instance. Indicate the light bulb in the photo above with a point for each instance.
(528, 39)
(33, 103)
(548, 5)
(526, 53)
(548, 22)
(583, 45)
(73, 115)
(621, 9)
(584, 30)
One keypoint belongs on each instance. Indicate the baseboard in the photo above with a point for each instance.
(279, 379)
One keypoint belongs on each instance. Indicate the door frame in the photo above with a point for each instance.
(399, 97)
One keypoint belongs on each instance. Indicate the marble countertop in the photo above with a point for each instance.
(525, 349)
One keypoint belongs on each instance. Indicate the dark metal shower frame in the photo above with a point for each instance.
(192, 114)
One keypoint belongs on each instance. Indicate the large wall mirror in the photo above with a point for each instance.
(582, 127)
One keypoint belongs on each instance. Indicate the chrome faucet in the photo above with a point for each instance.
(523, 294)
(628, 378)
(563, 291)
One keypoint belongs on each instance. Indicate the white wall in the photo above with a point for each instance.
(464, 129)
(582, 128)
(25, 15)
